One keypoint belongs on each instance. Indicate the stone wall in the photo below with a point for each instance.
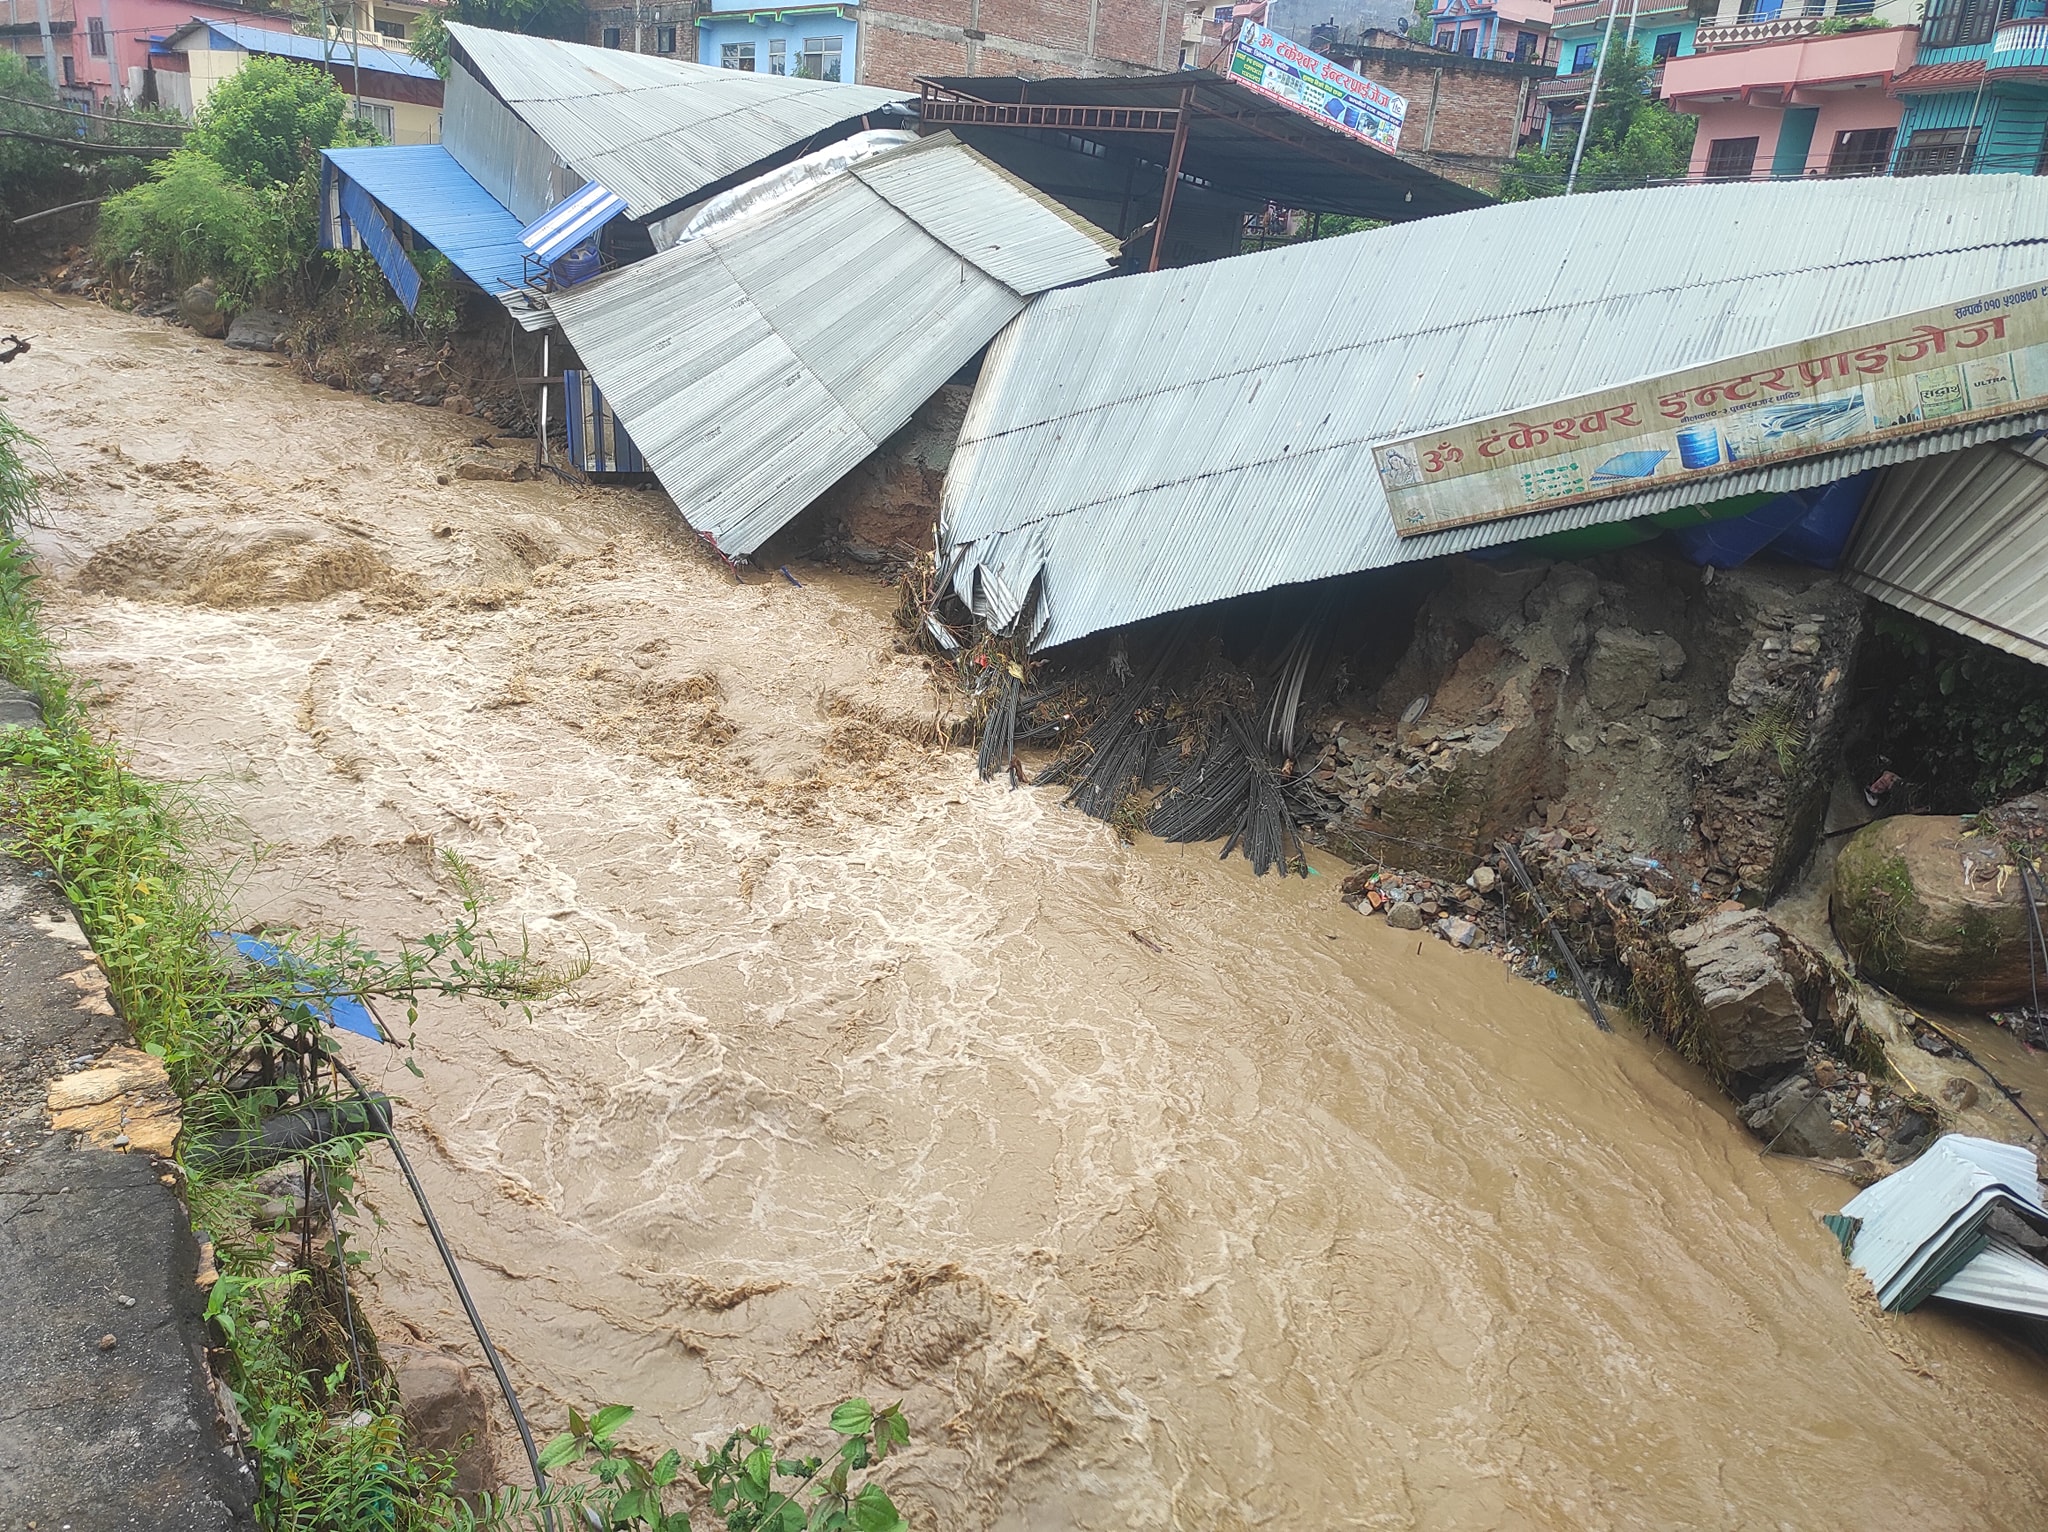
(1688, 718)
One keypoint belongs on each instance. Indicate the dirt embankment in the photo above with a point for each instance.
(1163, 1198)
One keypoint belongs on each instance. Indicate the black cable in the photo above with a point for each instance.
(382, 1122)
(1564, 951)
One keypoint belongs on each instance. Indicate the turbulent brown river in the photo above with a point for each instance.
(1161, 1195)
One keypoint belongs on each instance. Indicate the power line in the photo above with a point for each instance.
(69, 111)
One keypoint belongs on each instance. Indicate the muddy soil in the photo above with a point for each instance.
(1162, 1197)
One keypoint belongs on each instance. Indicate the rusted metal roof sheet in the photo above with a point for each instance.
(1962, 541)
(1155, 442)
(755, 364)
(657, 131)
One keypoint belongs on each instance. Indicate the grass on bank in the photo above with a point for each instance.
(323, 1428)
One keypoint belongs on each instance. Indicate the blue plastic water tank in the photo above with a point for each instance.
(579, 265)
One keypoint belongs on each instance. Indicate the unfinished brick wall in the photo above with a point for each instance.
(1466, 116)
(901, 39)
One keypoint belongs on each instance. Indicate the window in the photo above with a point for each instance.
(821, 58)
(1582, 57)
(1760, 10)
(610, 37)
(70, 72)
(395, 30)
(1468, 41)
(664, 39)
(1861, 152)
(737, 56)
(1958, 23)
(1731, 159)
(1938, 152)
(96, 36)
(1525, 46)
(1447, 38)
(1665, 47)
(778, 56)
(377, 117)
(36, 66)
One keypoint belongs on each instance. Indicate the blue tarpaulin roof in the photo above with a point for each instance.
(571, 221)
(315, 50)
(423, 187)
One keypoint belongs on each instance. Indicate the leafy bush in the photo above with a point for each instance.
(1967, 724)
(267, 122)
(1634, 139)
(194, 220)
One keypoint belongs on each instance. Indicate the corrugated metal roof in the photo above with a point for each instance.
(1963, 541)
(2003, 1276)
(571, 221)
(423, 187)
(1918, 1228)
(313, 50)
(757, 363)
(1154, 442)
(657, 131)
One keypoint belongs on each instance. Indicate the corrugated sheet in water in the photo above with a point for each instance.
(2002, 1277)
(1963, 541)
(657, 131)
(756, 364)
(1189, 435)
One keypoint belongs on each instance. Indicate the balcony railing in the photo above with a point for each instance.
(1743, 34)
(1569, 87)
(2019, 45)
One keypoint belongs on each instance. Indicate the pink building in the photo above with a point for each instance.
(1815, 106)
(99, 48)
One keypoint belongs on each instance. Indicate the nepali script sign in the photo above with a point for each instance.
(1348, 102)
(1879, 382)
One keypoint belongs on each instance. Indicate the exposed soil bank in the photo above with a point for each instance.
(872, 1088)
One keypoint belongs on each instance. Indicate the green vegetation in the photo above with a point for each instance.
(1634, 140)
(238, 204)
(1773, 733)
(563, 19)
(53, 166)
(752, 1485)
(1965, 723)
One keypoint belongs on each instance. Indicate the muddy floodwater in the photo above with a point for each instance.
(1161, 1195)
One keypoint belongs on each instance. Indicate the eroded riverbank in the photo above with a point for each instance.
(873, 1088)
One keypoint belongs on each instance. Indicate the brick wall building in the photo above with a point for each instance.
(894, 41)
(1466, 116)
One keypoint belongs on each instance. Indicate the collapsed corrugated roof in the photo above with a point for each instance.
(1152, 443)
(1949, 1226)
(657, 131)
(1963, 541)
(755, 364)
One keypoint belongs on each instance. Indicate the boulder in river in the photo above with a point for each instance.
(1922, 907)
(447, 1410)
(1746, 997)
(200, 308)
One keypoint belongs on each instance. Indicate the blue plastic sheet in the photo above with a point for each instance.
(345, 1012)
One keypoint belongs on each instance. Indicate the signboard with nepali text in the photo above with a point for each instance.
(1897, 378)
(1302, 78)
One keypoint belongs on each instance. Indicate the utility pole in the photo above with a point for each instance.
(114, 84)
(1592, 97)
(49, 48)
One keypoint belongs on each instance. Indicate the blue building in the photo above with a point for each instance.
(1976, 98)
(812, 42)
(1663, 29)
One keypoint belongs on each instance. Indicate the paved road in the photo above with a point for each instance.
(91, 1439)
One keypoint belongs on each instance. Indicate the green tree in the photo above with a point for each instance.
(561, 19)
(1634, 138)
(266, 124)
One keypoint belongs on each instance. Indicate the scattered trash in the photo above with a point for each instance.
(790, 577)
